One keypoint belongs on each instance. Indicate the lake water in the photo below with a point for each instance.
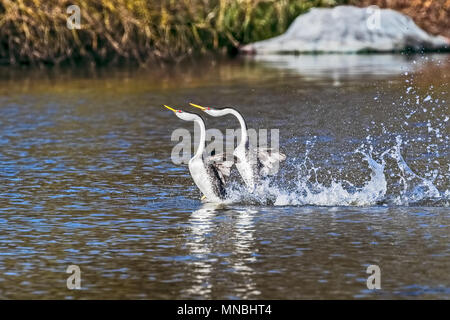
(87, 179)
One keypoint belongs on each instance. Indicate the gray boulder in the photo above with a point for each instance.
(350, 29)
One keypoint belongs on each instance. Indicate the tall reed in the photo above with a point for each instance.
(138, 31)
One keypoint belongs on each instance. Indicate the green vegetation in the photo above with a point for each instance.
(138, 31)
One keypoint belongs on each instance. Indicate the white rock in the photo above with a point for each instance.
(350, 29)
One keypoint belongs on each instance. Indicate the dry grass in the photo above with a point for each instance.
(114, 31)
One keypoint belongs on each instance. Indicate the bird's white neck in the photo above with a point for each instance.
(243, 125)
(201, 144)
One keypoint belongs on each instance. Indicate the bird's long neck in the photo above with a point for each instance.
(201, 144)
(243, 125)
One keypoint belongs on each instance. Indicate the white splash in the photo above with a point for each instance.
(389, 179)
(308, 191)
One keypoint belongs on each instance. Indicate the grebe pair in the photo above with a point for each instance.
(210, 175)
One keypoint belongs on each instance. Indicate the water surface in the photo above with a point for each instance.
(87, 179)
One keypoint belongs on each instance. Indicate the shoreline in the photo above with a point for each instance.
(122, 32)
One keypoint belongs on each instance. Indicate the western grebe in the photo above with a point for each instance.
(253, 163)
(209, 176)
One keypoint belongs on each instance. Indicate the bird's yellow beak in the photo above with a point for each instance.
(171, 109)
(197, 106)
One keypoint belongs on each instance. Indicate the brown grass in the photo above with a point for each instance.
(140, 31)
(113, 31)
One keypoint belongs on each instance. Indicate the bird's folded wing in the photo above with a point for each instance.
(269, 160)
(221, 165)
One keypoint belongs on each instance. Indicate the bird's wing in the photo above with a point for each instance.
(222, 166)
(269, 160)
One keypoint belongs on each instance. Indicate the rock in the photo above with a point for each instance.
(350, 29)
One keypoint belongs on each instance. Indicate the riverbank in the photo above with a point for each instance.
(115, 31)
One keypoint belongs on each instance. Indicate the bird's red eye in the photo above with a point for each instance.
(209, 108)
(179, 111)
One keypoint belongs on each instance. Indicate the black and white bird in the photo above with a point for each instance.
(253, 163)
(209, 175)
